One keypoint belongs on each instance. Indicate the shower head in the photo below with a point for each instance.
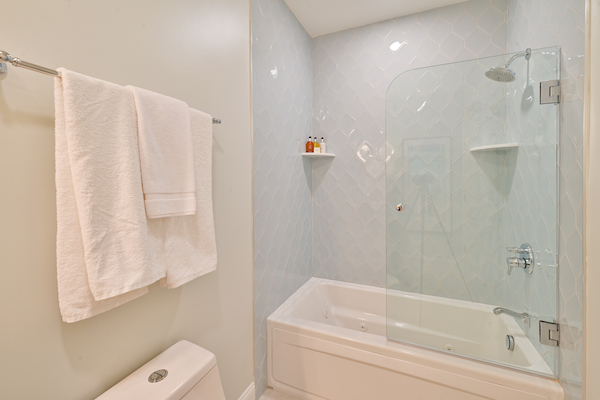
(501, 74)
(505, 74)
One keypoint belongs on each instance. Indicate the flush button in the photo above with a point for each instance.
(158, 376)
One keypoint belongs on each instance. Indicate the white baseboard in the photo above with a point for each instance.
(249, 394)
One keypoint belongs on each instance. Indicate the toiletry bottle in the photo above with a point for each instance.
(309, 145)
(323, 146)
(317, 148)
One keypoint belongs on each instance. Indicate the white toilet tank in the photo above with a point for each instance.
(191, 374)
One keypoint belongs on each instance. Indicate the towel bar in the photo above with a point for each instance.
(6, 58)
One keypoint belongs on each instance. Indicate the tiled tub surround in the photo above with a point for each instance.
(352, 122)
(351, 73)
(463, 208)
(532, 200)
(327, 341)
(450, 239)
(282, 99)
(539, 23)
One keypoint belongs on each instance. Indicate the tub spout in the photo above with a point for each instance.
(523, 316)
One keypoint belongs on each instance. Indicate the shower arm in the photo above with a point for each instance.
(527, 56)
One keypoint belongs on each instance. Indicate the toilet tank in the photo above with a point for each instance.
(191, 374)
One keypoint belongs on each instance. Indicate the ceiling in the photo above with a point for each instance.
(320, 17)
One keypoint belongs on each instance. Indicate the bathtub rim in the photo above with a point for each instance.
(371, 342)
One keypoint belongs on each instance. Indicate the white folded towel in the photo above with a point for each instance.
(105, 254)
(188, 243)
(166, 154)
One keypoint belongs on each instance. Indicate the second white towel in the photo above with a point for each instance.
(166, 154)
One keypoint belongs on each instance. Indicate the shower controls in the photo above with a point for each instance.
(549, 333)
(510, 342)
(525, 260)
(550, 92)
(399, 207)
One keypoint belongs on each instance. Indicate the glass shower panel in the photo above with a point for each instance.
(471, 170)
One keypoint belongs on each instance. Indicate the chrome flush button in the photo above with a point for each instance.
(158, 376)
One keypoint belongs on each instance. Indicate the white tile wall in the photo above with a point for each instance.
(281, 95)
(540, 23)
(532, 201)
(352, 70)
(449, 241)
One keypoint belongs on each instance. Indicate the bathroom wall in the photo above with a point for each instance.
(450, 239)
(282, 100)
(536, 23)
(532, 201)
(196, 51)
(352, 70)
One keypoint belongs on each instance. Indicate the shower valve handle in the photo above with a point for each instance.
(517, 250)
(525, 260)
(515, 262)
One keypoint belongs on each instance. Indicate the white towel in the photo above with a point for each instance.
(105, 254)
(189, 243)
(166, 154)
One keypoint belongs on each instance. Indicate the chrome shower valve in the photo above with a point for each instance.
(524, 261)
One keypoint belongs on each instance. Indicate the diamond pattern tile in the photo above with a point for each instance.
(282, 101)
(378, 54)
(455, 218)
(536, 23)
(426, 155)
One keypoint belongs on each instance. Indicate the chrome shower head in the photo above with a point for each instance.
(501, 74)
(505, 74)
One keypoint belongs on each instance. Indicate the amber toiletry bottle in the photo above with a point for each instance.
(309, 145)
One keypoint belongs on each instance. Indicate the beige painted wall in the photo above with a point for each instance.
(592, 199)
(194, 50)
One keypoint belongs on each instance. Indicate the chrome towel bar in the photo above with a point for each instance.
(6, 58)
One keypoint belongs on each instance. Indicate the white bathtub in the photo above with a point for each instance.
(327, 341)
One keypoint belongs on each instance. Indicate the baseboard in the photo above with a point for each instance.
(249, 394)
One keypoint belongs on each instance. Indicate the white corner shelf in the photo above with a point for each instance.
(317, 155)
(503, 146)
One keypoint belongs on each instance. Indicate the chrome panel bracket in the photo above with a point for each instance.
(550, 92)
(549, 333)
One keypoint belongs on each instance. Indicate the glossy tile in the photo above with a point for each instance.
(282, 101)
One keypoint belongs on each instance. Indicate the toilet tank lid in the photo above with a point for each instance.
(186, 364)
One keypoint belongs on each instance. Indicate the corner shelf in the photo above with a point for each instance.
(317, 155)
(504, 146)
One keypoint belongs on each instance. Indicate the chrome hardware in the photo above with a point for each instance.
(550, 92)
(523, 316)
(399, 207)
(6, 58)
(526, 259)
(515, 262)
(510, 342)
(158, 375)
(549, 333)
